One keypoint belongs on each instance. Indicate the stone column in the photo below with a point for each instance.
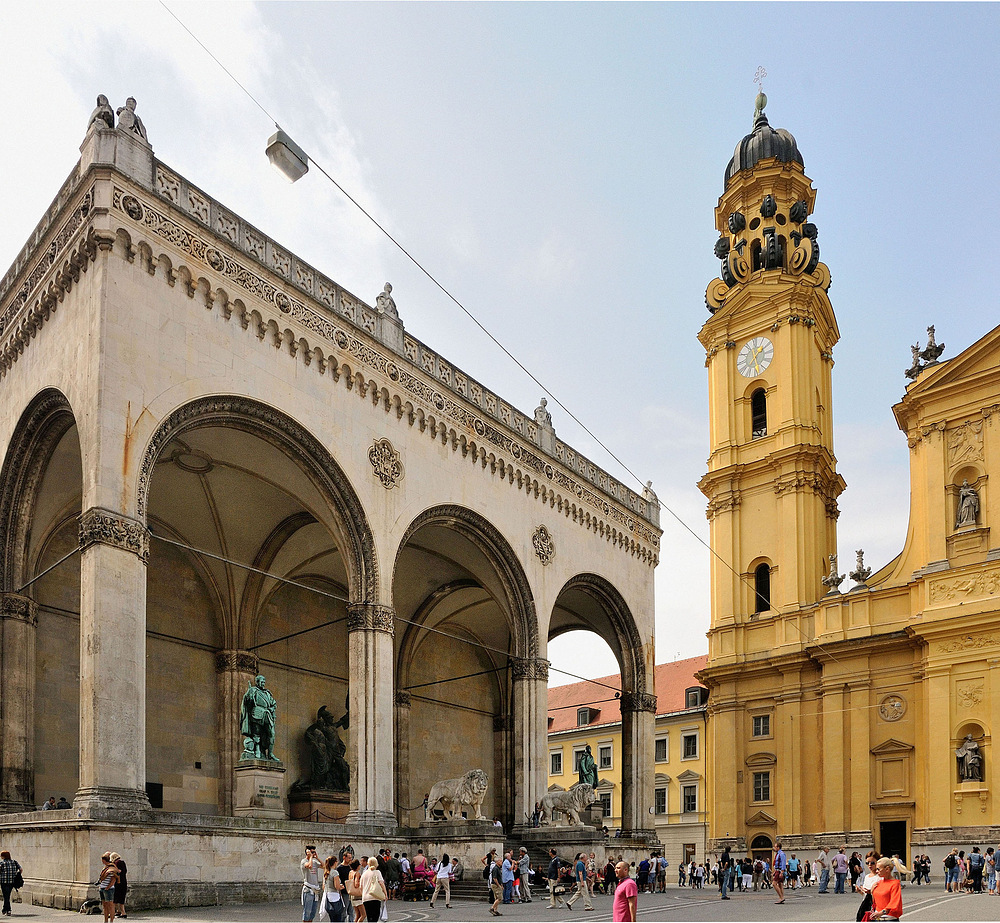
(234, 671)
(403, 795)
(638, 719)
(370, 658)
(114, 553)
(18, 618)
(501, 779)
(529, 680)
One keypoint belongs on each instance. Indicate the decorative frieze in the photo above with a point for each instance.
(21, 608)
(968, 643)
(965, 443)
(416, 387)
(104, 527)
(386, 464)
(235, 661)
(892, 707)
(371, 617)
(970, 586)
(969, 693)
(544, 547)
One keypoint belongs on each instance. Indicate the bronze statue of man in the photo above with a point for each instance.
(588, 768)
(257, 718)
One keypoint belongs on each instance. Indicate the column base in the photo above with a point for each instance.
(16, 807)
(102, 799)
(380, 819)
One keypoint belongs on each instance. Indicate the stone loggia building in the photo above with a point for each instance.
(839, 714)
(218, 462)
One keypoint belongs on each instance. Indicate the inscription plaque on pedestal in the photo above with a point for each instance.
(260, 790)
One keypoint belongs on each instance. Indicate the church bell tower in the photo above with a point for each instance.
(772, 483)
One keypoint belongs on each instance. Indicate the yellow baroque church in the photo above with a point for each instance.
(844, 708)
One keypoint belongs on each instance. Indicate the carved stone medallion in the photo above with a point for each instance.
(545, 548)
(892, 707)
(385, 461)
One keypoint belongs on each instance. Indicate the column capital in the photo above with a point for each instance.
(403, 698)
(638, 702)
(99, 526)
(236, 661)
(529, 668)
(22, 608)
(370, 617)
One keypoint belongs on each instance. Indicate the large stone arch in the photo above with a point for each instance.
(593, 603)
(628, 645)
(266, 422)
(44, 422)
(460, 592)
(42, 468)
(518, 598)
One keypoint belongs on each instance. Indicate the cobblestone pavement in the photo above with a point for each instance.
(924, 904)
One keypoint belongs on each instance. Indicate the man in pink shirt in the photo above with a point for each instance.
(626, 896)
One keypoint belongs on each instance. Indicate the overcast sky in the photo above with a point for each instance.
(557, 167)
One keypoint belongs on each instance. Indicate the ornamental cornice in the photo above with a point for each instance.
(20, 608)
(54, 273)
(236, 661)
(105, 527)
(371, 617)
(416, 384)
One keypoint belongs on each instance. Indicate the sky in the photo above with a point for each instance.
(556, 166)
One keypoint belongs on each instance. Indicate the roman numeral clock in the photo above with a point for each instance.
(755, 357)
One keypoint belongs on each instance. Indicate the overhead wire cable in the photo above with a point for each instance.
(744, 579)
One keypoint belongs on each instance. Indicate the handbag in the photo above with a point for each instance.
(378, 890)
(18, 880)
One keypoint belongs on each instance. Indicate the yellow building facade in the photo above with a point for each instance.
(587, 713)
(860, 714)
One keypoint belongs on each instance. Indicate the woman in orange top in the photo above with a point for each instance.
(887, 898)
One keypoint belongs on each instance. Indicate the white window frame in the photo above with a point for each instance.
(606, 801)
(697, 743)
(577, 753)
(656, 794)
(691, 786)
(562, 764)
(665, 740)
(753, 726)
(601, 747)
(583, 713)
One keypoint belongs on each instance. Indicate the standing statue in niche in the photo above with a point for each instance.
(588, 768)
(257, 720)
(970, 761)
(968, 506)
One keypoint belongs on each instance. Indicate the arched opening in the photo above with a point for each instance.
(250, 570)
(762, 587)
(758, 414)
(465, 628)
(588, 603)
(584, 699)
(40, 504)
(761, 847)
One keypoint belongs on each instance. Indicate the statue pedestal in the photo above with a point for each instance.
(319, 805)
(260, 790)
(593, 815)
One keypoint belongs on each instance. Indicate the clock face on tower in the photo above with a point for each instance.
(755, 357)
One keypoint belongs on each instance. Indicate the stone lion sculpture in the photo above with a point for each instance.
(571, 803)
(454, 794)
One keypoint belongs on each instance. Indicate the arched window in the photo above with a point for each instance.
(758, 413)
(762, 588)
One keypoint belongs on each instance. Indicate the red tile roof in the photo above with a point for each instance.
(671, 680)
